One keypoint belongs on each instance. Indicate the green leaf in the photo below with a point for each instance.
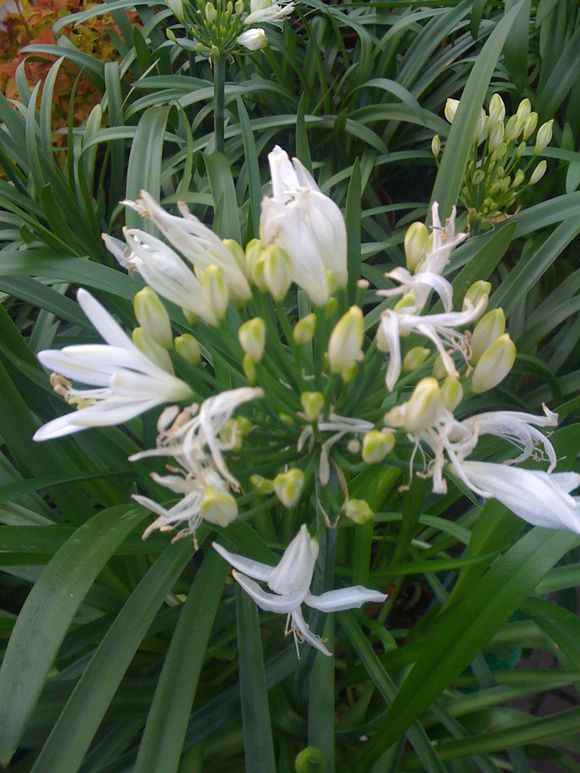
(223, 190)
(562, 626)
(47, 614)
(353, 222)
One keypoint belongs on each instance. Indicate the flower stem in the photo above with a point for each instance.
(219, 75)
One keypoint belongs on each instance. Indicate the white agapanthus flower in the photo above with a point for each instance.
(128, 383)
(290, 580)
(267, 12)
(253, 39)
(307, 225)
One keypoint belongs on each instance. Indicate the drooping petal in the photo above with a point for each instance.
(269, 602)
(390, 329)
(248, 567)
(304, 630)
(345, 598)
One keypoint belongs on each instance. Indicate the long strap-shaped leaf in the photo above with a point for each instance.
(47, 614)
(76, 726)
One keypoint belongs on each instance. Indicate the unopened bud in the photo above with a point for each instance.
(262, 485)
(330, 308)
(231, 434)
(513, 128)
(177, 7)
(252, 337)
(210, 12)
(288, 486)
(489, 328)
(530, 125)
(439, 369)
(451, 393)
(153, 317)
(494, 365)
(359, 511)
(215, 291)
(346, 339)
(408, 300)
(249, 367)
(543, 137)
(187, 347)
(313, 403)
(436, 146)
(524, 109)
(376, 445)
(255, 262)
(496, 108)
(521, 149)
(499, 152)
(304, 329)
(538, 172)
(348, 374)
(480, 126)
(414, 358)
(424, 407)
(218, 507)
(518, 178)
(451, 106)
(253, 39)
(238, 254)
(478, 177)
(475, 295)
(277, 274)
(152, 350)
(310, 760)
(417, 244)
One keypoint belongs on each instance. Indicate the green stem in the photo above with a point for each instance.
(219, 77)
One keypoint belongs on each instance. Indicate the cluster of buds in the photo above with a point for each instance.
(499, 169)
(221, 27)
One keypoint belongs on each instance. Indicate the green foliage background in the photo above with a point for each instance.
(130, 655)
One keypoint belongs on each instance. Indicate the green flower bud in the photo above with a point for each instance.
(489, 328)
(187, 347)
(496, 135)
(494, 365)
(436, 146)
(538, 172)
(210, 12)
(417, 244)
(152, 350)
(277, 271)
(330, 308)
(255, 262)
(239, 7)
(496, 108)
(424, 407)
(237, 252)
(478, 177)
(215, 291)
(310, 760)
(499, 152)
(409, 299)
(414, 358)
(249, 367)
(231, 434)
(349, 373)
(451, 393)
(513, 128)
(262, 485)
(346, 339)
(518, 178)
(288, 486)
(475, 294)
(521, 149)
(177, 7)
(358, 510)
(218, 507)
(252, 337)
(524, 109)
(439, 369)
(153, 317)
(451, 106)
(530, 125)
(481, 126)
(376, 445)
(304, 329)
(543, 137)
(312, 403)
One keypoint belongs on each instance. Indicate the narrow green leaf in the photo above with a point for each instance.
(353, 232)
(223, 190)
(321, 702)
(562, 626)
(252, 167)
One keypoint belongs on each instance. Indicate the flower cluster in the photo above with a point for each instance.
(496, 175)
(278, 396)
(220, 27)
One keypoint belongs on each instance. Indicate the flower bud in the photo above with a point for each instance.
(539, 172)
(524, 109)
(518, 178)
(177, 7)
(313, 403)
(238, 254)
(288, 486)
(262, 485)
(152, 350)
(215, 291)
(417, 244)
(494, 365)
(346, 339)
(231, 434)
(310, 760)
(349, 373)
(330, 308)
(395, 418)
(439, 369)
(475, 295)
(218, 507)
(451, 393)
(210, 12)
(153, 317)
(249, 367)
(414, 358)
(499, 152)
(358, 510)
(513, 128)
(521, 149)
(255, 262)
(253, 39)
(436, 146)
(478, 177)
(252, 337)
(239, 7)
(304, 329)
(376, 445)
(424, 407)
(187, 347)
(543, 137)
(277, 274)
(480, 126)
(450, 109)
(496, 108)
(530, 125)
(408, 300)
(489, 328)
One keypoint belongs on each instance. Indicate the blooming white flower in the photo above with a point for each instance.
(266, 12)
(290, 580)
(540, 498)
(253, 40)
(195, 241)
(307, 225)
(128, 383)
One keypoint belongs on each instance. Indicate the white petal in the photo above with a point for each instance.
(390, 328)
(440, 285)
(304, 629)
(294, 572)
(102, 321)
(57, 428)
(269, 602)
(345, 598)
(251, 568)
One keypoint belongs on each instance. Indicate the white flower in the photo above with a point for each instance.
(290, 580)
(307, 225)
(540, 498)
(253, 40)
(128, 382)
(195, 241)
(266, 12)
